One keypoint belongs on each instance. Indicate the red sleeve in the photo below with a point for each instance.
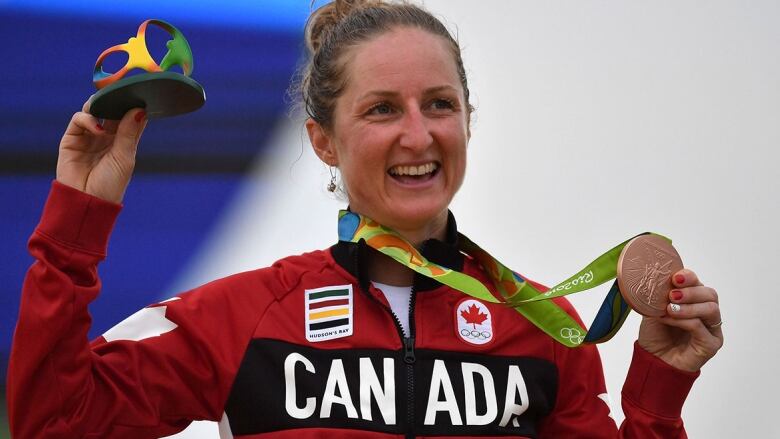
(652, 398)
(148, 377)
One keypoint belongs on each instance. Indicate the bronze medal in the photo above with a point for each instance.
(644, 274)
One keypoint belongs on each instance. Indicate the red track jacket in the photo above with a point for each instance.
(302, 349)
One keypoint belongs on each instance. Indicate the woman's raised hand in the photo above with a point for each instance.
(99, 159)
(690, 333)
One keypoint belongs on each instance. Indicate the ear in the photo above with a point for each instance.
(321, 143)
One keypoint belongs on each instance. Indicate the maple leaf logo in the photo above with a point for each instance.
(474, 316)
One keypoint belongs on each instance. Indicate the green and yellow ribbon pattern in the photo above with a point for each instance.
(511, 288)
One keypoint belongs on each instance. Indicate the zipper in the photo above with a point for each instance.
(408, 343)
(409, 359)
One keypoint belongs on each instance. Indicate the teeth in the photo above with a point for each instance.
(414, 170)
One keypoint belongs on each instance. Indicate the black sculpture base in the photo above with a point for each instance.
(161, 94)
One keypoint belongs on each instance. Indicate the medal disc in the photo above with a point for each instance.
(644, 274)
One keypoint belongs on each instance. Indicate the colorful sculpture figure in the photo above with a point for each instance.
(160, 91)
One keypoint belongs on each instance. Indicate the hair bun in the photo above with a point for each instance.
(322, 21)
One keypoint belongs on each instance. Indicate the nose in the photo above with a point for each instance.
(415, 133)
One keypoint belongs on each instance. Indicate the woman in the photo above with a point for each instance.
(339, 342)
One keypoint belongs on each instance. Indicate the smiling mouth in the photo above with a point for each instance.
(413, 174)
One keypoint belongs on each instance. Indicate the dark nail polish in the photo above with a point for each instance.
(676, 294)
(679, 278)
(140, 116)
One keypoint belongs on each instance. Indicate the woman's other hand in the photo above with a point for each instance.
(99, 159)
(690, 333)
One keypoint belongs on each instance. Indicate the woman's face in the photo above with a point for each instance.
(400, 129)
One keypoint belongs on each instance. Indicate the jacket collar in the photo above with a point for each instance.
(354, 257)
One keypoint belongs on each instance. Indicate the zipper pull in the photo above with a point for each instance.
(409, 350)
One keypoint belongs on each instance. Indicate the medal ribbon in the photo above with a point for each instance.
(512, 290)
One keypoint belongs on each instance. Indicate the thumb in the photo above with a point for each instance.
(128, 133)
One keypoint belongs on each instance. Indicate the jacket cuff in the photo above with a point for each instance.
(655, 386)
(77, 219)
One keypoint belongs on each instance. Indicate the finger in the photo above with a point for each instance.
(85, 107)
(129, 131)
(695, 294)
(692, 325)
(82, 122)
(708, 312)
(685, 278)
(717, 331)
(697, 329)
(110, 126)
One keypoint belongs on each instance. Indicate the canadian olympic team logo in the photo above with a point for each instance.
(475, 324)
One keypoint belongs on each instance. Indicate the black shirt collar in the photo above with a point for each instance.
(354, 257)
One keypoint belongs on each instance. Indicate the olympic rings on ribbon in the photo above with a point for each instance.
(179, 54)
(479, 335)
(572, 334)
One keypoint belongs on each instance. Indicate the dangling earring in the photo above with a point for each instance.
(332, 185)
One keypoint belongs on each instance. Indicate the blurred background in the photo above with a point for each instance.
(189, 168)
(595, 121)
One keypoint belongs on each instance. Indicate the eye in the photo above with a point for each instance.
(382, 108)
(442, 104)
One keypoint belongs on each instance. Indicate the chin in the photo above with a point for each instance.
(416, 214)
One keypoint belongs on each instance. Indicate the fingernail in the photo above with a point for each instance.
(679, 278)
(100, 127)
(140, 116)
(676, 295)
(675, 307)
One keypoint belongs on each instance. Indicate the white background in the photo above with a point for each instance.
(595, 121)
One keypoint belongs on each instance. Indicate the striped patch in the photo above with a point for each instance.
(328, 313)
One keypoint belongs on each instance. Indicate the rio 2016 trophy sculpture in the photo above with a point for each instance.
(160, 92)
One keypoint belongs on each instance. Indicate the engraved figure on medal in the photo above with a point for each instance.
(650, 280)
(645, 268)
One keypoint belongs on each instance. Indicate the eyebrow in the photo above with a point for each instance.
(388, 93)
